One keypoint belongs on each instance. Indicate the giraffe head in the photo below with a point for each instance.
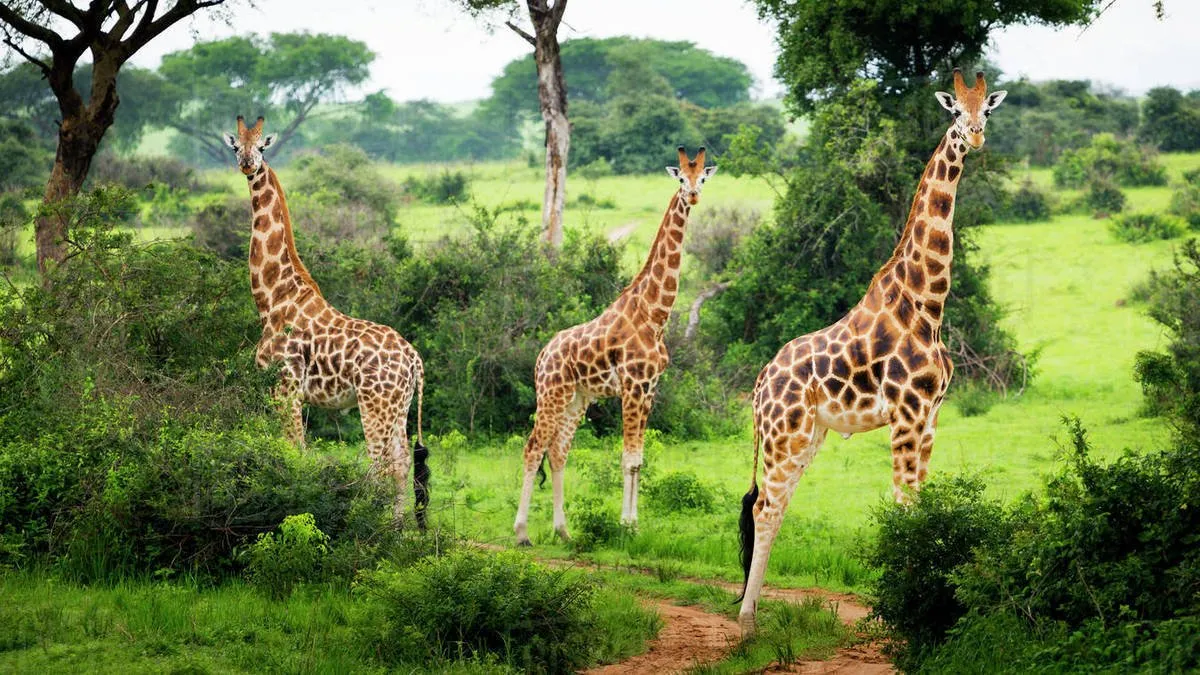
(970, 106)
(691, 174)
(249, 144)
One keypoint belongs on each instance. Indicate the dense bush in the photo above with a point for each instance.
(1170, 379)
(1170, 120)
(1185, 203)
(715, 233)
(447, 187)
(917, 549)
(299, 554)
(223, 227)
(474, 603)
(1098, 574)
(1121, 161)
(138, 172)
(339, 174)
(1137, 228)
(593, 524)
(680, 491)
(25, 158)
(1029, 203)
(1103, 198)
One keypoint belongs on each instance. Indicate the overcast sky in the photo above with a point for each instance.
(430, 49)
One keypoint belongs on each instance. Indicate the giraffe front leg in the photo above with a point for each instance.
(926, 445)
(287, 397)
(906, 456)
(635, 411)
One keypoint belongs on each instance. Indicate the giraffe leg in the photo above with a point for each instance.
(379, 428)
(906, 456)
(401, 465)
(558, 458)
(927, 444)
(785, 457)
(635, 411)
(546, 426)
(287, 396)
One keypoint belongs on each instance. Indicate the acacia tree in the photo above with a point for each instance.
(552, 96)
(53, 35)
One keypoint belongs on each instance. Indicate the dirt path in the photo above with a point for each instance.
(690, 637)
(621, 232)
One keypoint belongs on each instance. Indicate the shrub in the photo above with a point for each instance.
(1185, 203)
(593, 524)
(1104, 198)
(139, 172)
(299, 554)
(1029, 203)
(1120, 161)
(715, 233)
(447, 187)
(1138, 228)
(598, 168)
(1170, 378)
(680, 491)
(223, 227)
(471, 603)
(13, 217)
(918, 548)
(341, 174)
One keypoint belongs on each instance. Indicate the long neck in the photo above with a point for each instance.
(657, 284)
(921, 262)
(278, 278)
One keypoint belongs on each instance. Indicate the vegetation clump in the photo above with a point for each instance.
(1138, 228)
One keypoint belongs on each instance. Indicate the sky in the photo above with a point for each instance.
(431, 49)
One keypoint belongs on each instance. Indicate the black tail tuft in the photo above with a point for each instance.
(542, 473)
(746, 535)
(420, 483)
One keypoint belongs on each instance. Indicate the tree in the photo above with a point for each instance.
(283, 77)
(53, 35)
(552, 98)
(826, 46)
(1170, 120)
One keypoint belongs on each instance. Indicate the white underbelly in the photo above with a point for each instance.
(854, 421)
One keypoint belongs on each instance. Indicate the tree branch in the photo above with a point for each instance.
(516, 29)
(147, 31)
(30, 29)
(693, 323)
(45, 67)
(67, 11)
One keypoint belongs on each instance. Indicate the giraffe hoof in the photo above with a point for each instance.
(562, 533)
(524, 543)
(746, 623)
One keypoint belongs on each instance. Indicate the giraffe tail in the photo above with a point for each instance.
(420, 455)
(746, 522)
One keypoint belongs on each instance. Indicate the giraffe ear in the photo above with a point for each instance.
(945, 99)
(673, 171)
(266, 142)
(994, 99)
(231, 141)
(710, 170)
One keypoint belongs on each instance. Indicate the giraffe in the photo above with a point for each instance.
(619, 353)
(328, 359)
(883, 363)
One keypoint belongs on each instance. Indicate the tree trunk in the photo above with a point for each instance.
(79, 137)
(552, 94)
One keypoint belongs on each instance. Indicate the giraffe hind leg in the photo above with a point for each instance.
(558, 458)
(551, 407)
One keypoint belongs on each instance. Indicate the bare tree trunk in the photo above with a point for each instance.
(693, 324)
(552, 94)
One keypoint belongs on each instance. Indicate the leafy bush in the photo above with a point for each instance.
(1029, 203)
(715, 233)
(918, 548)
(1185, 203)
(139, 172)
(472, 603)
(1120, 161)
(298, 555)
(593, 524)
(680, 491)
(1170, 379)
(1138, 228)
(1104, 198)
(223, 227)
(447, 187)
(341, 174)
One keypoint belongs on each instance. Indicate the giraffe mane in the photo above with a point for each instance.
(289, 237)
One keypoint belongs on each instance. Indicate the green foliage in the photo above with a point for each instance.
(1170, 120)
(25, 159)
(471, 603)
(299, 554)
(13, 218)
(1108, 157)
(1103, 198)
(593, 524)
(1138, 228)
(917, 548)
(197, 91)
(447, 187)
(1043, 120)
(341, 174)
(1185, 203)
(1170, 379)
(139, 172)
(714, 235)
(223, 227)
(826, 46)
(1029, 203)
(680, 491)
